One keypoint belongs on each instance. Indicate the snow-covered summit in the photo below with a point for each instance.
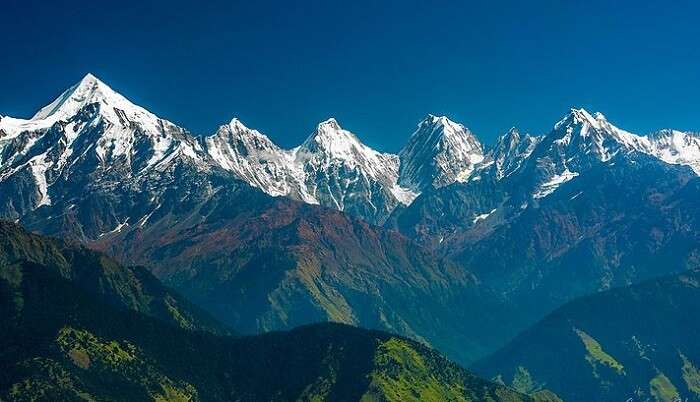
(676, 147)
(253, 157)
(91, 91)
(91, 133)
(509, 152)
(581, 140)
(439, 153)
(330, 143)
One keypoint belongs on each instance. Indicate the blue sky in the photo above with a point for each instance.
(378, 67)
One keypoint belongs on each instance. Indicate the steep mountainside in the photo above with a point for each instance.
(92, 162)
(64, 342)
(536, 220)
(612, 226)
(333, 168)
(580, 210)
(125, 288)
(439, 153)
(259, 264)
(634, 343)
(121, 179)
(93, 138)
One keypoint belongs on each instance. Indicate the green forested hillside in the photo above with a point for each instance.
(131, 288)
(63, 342)
(638, 342)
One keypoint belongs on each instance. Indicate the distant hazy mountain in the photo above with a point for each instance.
(633, 343)
(75, 330)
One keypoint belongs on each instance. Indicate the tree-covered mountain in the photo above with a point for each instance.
(636, 343)
(63, 341)
(126, 288)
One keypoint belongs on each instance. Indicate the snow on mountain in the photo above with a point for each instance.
(123, 128)
(553, 183)
(440, 152)
(509, 153)
(581, 140)
(341, 168)
(577, 142)
(253, 157)
(90, 137)
(676, 147)
(332, 167)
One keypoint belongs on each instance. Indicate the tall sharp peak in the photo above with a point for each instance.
(432, 120)
(331, 136)
(236, 129)
(512, 136)
(88, 90)
(237, 125)
(513, 140)
(578, 116)
(330, 124)
(91, 90)
(433, 130)
(512, 132)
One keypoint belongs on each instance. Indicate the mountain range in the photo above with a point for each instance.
(449, 242)
(89, 126)
(124, 181)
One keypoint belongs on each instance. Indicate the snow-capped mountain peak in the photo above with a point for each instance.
(92, 134)
(439, 153)
(237, 125)
(253, 157)
(331, 144)
(91, 130)
(330, 138)
(581, 117)
(90, 90)
(251, 139)
(509, 153)
(331, 167)
(581, 140)
(341, 171)
(580, 133)
(329, 124)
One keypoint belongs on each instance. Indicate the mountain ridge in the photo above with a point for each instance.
(339, 172)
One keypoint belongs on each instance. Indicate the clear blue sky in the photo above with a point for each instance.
(377, 66)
